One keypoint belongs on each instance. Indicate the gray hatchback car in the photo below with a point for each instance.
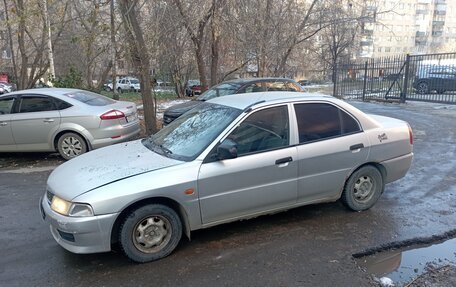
(68, 120)
(230, 158)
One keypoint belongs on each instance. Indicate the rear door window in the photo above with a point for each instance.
(31, 104)
(319, 121)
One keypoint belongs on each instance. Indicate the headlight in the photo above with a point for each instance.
(70, 209)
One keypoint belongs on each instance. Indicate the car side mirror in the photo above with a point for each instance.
(227, 150)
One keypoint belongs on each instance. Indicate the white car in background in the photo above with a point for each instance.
(126, 85)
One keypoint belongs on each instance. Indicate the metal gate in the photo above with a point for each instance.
(430, 78)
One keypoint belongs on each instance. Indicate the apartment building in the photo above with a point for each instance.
(395, 27)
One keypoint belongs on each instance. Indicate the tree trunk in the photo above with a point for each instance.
(49, 51)
(140, 57)
(10, 39)
(113, 52)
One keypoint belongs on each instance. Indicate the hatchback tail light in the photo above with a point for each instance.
(112, 115)
(410, 134)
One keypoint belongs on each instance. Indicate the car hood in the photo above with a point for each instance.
(183, 107)
(103, 166)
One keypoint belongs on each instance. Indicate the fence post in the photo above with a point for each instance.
(365, 81)
(406, 79)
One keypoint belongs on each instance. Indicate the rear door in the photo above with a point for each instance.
(331, 144)
(35, 121)
(6, 135)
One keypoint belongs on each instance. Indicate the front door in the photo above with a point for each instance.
(262, 177)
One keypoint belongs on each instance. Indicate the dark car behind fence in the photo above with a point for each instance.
(430, 78)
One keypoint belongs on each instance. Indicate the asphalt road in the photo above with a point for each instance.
(308, 246)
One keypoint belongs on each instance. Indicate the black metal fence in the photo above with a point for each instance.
(430, 78)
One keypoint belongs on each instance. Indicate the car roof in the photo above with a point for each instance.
(46, 91)
(242, 101)
(249, 80)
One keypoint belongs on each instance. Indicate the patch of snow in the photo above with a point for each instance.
(386, 282)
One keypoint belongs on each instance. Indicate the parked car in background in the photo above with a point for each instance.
(193, 88)
(435, 78)
(127, 84)
(3, 90)
(238, 86)
(69, 121)
(6, 87)
(228, 159)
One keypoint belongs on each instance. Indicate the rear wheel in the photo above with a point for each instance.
(363, 188)
(150, 233)
(71, 145)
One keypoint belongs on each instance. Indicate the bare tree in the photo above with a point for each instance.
(140, 59)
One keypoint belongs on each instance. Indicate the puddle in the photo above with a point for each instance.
(402, 265)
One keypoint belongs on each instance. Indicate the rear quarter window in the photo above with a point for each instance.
(89, 98)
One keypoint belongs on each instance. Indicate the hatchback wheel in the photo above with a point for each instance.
(150, 232)
(363, 188)
(71, 145)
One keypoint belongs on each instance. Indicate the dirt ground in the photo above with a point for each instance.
(436, 277)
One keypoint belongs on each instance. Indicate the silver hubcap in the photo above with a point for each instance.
(423, 88)
(152, 234)
(71, 146)
(364, 189)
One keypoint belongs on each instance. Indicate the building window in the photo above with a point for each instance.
(387, 49)
(379, 49)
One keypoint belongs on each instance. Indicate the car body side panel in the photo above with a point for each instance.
(249, 184)
(33, 131)
(171, 182)
(6, 135)
(325, 165)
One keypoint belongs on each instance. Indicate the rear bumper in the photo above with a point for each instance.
(79, 234)
(126, 133)
(397, 168)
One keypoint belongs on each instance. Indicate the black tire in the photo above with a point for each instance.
(71, 145)
(440, 91)
(119, 90)
(363, 188)
(160, 227)
(423, 88)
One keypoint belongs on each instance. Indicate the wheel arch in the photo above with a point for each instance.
(178, 208)
(377, 165)
(62, 132)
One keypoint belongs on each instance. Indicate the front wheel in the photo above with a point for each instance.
(150, 233)
(71, 145)
(423, 88)
(363, 188)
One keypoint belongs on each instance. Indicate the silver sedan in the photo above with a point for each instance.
(231, 158)
(68, 120)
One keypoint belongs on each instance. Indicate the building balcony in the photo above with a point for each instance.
(438, 1)
(437, 33)
(421, 12)
(366, 42)
(440, 12)
(438, 23)
(420, 34)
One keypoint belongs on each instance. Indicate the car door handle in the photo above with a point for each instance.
(356, 146)
(2, 124)
(283, 160)
(48, 120)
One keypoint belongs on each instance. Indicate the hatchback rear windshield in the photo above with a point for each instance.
(89, 98)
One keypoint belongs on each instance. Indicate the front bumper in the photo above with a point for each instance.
(79, 234)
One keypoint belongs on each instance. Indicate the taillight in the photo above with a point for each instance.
(112, 115)
(410, 134)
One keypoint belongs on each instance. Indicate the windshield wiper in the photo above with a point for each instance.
(164, 149)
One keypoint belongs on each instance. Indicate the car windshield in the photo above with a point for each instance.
(187, 136)
(219, 91)
(89, 98)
